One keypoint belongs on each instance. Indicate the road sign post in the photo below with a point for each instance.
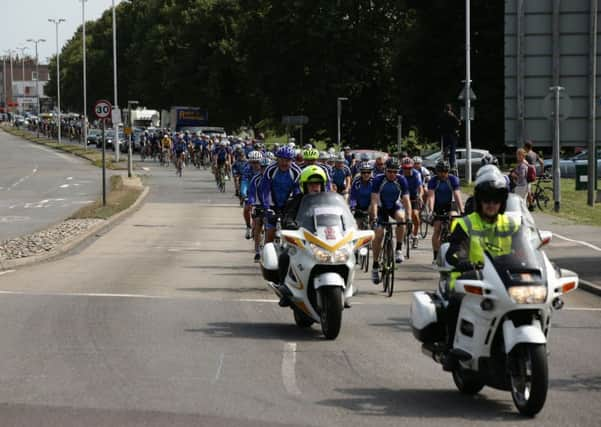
(103, 110)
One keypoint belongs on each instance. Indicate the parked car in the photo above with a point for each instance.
(568, 166)
(371, 153)
(110, 138)
(477, 156)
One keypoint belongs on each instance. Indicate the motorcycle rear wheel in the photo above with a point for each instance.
(467, 382)
(529, 378)
(302, 320)
(331, 311)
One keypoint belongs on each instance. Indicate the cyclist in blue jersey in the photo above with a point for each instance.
(341, 176)
(416, 192)
(254, 202)
(361, 190)
(221, 159)
(280, 182)
(179, 148)
(349, 157)
(387, 190)
(310, 157)
(250, 169)
(442, 189)
(239, 164)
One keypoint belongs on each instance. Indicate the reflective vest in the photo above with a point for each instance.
(493, 238)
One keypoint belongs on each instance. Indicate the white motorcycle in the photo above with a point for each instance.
(504, 320)
(319, 278)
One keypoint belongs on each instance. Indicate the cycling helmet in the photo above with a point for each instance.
(270, 155)
(223, 143)
(417, 159)
(312, 174)
(340, 158)
(392, 164)
(265, 162)
(346, 148)
(366, 167)
(255, 156)
(333, 157)
(324, 156)
(310, 154)
(442, 166)
(291, 144)
(487, 169)
(276, 146)
(407, 163)
(331, 150)
(307, 146)
(285, 152)
(491, 185)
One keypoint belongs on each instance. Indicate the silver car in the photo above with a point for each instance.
(477, 156)
(568, 166)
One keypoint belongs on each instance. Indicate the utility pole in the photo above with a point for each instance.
(339, 117)
(58, 77)
(23, 49)
(116, 101)
(85, 86)
(468, 84)
(399, 136)
(556, 145)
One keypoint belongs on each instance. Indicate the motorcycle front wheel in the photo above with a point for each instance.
(529, 378)
(331, 311)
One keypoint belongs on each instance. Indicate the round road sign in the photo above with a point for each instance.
(102, 109)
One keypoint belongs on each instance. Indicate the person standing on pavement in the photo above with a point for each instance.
(449, 130)
(519, 174)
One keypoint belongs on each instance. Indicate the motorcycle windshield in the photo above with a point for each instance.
(325, 210)
(524, 265)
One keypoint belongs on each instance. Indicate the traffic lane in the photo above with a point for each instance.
(246, 362)
(40, 186)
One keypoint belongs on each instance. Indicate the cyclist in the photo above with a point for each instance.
(341, 176)
(250, 169)
(179, 150)
(221, 159)
(240, 163)
(166, 144)
(379, 166)
(442, 189)
(255, 203)
(416, 193)
(361, 190)
(349, 157)
(279, 183)
(387, 190)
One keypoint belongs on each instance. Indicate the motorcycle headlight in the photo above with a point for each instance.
(528, 294)
(323, 256)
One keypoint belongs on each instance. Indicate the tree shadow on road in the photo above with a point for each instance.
(227, 290)
(402, 324)
(423, 403)
(577, 383)
(262, 331)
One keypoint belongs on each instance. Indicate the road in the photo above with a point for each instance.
(40, 186)
(164, 320)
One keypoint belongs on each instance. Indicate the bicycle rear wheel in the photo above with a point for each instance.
(423, 229)
(390, 267)
(367, 259)
(542, 200)
(408, 242)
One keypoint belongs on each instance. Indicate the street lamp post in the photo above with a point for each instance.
(58, 77)
(468, 84)
(129, 150)
(23, 49)
(339, 116)
(85, 86)
(116, 103)
(10, 57)
(37, 80)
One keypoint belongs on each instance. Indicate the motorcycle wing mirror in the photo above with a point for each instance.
(545, 238)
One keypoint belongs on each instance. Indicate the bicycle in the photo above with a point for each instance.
(540, 193)
(445, 219)
(362, 217)
(388, 263)
(179, 163)
(424, 214)
(221, 178)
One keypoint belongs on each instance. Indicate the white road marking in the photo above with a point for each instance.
(219, 369)
(84, 294)
(257, 300)
(2, 273)
(288, 368)
(69, 178)
(22, 180)
(580, 242)
(11, 219)
(582, 308)
(64, 186)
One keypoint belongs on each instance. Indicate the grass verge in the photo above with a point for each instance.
(573, 203)
(95, 157)
(119, 198)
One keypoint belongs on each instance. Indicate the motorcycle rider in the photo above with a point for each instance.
(487, 230)
(310, 156)
(311, 180)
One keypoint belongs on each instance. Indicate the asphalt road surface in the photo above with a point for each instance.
(165, 320)
(40, 186)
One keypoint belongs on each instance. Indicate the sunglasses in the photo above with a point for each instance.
(491, 201)
(392, 170)
(366, 173)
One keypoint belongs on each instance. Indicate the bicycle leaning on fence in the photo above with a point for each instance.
(540, 192)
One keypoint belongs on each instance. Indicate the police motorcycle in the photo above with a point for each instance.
(504, 317)
(319, 278)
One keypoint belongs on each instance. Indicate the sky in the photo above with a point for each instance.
(28, 19)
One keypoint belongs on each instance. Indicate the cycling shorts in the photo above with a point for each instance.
(416, 204)
(442, 210)
(384, 214)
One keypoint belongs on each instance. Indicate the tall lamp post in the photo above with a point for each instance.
(23, 49)
(85, 86)
(339, 116)
(58, 77)
(116, 103)
(468, 84)
(37, 80)
(10, 57)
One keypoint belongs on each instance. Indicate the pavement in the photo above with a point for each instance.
(165, 320)
(40, 186)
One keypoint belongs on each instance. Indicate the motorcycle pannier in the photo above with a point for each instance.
(426, 313)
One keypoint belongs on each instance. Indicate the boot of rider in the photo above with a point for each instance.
(452, 315)
(284, 264)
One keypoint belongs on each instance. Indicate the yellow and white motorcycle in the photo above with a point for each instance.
(319, 276)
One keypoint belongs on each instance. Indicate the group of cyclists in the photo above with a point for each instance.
(401, 188)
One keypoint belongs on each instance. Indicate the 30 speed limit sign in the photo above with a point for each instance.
(102, 109)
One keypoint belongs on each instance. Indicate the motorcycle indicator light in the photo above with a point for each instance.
(476, 290)
(528, 294)
(570, 286)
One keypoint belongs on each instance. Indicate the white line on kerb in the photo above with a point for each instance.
(582, 308)
(288, 368)
(219, 369)
(6, 272)
(580, 242)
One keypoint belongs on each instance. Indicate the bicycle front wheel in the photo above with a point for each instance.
(423, 229)
(390, 268)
